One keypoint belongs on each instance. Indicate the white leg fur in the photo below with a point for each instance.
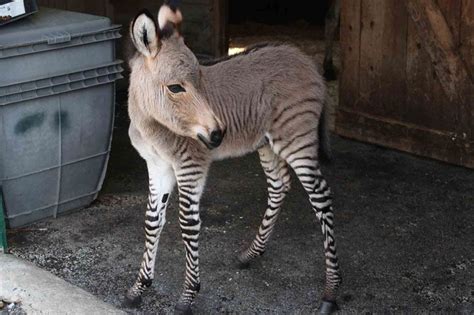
(161, 183)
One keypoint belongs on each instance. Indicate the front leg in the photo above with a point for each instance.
(161, 183)
(191, 177)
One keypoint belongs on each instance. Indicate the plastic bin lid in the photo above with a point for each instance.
(48, 23)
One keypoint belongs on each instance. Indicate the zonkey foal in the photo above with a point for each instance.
(184, 115)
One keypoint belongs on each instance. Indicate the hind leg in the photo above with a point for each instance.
(278, 180)
(302, 157)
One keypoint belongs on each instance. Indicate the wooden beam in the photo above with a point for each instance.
(467, 34)
(220, 32)
(405, 137)
(438, 42)
(350, 53)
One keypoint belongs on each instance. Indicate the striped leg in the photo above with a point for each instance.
(161, 182)
(302, 157)
(191, 178)
(278, 180)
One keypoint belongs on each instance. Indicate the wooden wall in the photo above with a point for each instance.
(97, 7)
(406, 78)
(203, 27)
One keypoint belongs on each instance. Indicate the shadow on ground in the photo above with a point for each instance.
(404, 226)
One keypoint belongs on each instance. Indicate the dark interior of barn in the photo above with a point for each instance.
(277, 11)
(275, 20)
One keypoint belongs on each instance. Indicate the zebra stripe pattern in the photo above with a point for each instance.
(155, 218)
(190, 177)
(300, 151)
(302, 157)
(320, 197)
(278, 180)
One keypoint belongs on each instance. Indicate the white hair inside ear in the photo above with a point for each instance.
(166, 15)
(144, 35)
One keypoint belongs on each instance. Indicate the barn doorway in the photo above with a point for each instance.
(297, 22)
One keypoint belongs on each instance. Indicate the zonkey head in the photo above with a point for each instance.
(165, 81)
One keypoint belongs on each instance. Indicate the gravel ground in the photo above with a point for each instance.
(404, 226)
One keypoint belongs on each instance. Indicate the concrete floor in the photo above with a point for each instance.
(26, 289)
(404, 226)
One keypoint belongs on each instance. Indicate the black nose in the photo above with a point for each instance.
(216, 137)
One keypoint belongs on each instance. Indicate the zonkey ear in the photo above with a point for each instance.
(169, 17)
(144, 34)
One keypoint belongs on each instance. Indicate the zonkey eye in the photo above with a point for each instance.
(176, 88)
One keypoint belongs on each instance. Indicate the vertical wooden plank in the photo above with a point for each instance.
(350, 48)
(439, 44)
(466, 39)
(419, 78)
(58, 4)
(427, 104)
(109, 10)
(96, 7)
(124, 11)
(467, 34)
(393, 89)
(452, 13)
(43, 3)
(220, 30)
(198, 25)
(371, 40)
(75, 5)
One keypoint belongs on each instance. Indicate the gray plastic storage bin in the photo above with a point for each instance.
(54, 41)
(56, 117)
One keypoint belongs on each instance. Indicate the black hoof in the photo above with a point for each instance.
(183, 309)
(328, 307)
(132, 301)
